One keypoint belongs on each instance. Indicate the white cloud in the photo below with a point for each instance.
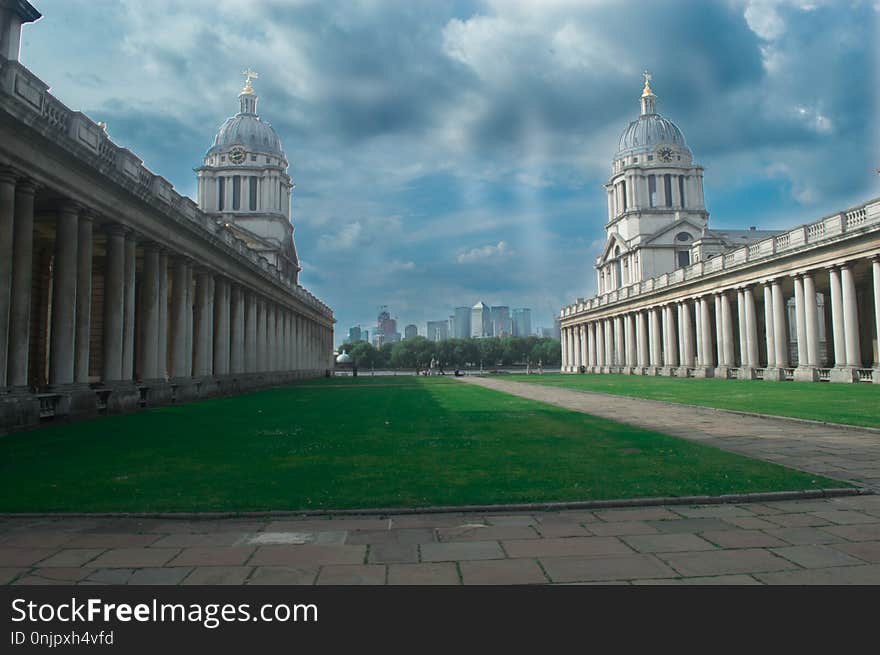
(490, 252)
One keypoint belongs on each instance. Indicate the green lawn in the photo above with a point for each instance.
(852, 404)
(371, 442)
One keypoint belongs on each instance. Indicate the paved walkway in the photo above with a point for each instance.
(826, 541)
(843, 453)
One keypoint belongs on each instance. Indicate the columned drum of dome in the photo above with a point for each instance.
(244, 183)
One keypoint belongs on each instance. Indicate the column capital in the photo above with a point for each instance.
(68, 206)
(8, 175)
(27, 186)
(115, 229)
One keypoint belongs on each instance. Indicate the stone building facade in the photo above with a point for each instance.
(116, 292)
(678, 298)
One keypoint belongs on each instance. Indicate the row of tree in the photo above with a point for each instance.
(417, 353)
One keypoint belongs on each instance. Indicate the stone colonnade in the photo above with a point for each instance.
(94, 316)
(725, 334)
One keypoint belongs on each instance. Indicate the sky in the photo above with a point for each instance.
(448, 152)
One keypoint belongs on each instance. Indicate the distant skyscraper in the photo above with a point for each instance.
(481, 321)
(438, 330)
(462, 320)
(501, 326)
(386, 328)
(365, 335)
(354, 333)
(410, 331)
(450, 328)
(522, 322)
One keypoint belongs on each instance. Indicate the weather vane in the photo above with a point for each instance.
(248, 76)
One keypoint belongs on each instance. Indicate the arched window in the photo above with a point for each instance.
(682, 236)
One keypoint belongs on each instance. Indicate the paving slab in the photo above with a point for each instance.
(720, 562)
(461, 551)
(840, 575)
(712, 580)
(487, 533)
(568, 546)
(600, 569)
(110, 576)
(393, 553)
(621, 528)
(743, 539)
(309, 554)
(213, 556)
(557, 529)
(352, 574)
(502, 571)
(159, 576)
(24, 556)
(667, 543)
(445, 573)
(804, 536)
(636, 514)
(10, 573)
(816, 556)
(861, 532)
(867, 551)
(71, 557)
(112, 540)
(217, 575)
(283, 575)
(691, 525)
(134, 557)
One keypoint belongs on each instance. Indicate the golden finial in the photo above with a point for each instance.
(647, 90)
(248, 76)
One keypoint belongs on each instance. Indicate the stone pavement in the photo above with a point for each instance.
(840, 452)
(827, 541)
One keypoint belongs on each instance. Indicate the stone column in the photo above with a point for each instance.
(190, 319)
(654, 331)
(741, 328)
(575, 332)
(162, 356)
(585, 348)
(563, 339)
(294, 342)
(128, 308)
(609, 343)
(204, 325)
(708, 346)
(618, 341)
(630, 340)
(221, 327)
(850, 317)
(600, 345)
(811, 316)
(768, 326)
(148, 346)
(591, 346)
(751, 358)
(237, 331)
(837, 317)
(114, 302)
(672, 349)
(801, 330)
(22, 273)
(178, 326)
(780, 335)
(7, 222)
(875, 270)
(686, 328)
(261, 335)
(64, 274)
(726, 330)
(83, 299)
(642, 339)
(251, 357)
(700, 344)
(719, 332)
(271, 338)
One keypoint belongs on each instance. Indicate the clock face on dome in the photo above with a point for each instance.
(665, 153)
(236, 155)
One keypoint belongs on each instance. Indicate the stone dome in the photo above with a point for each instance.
(343, 358)
(246, 129)
(647, 132)
(249, 131)
(650, 129)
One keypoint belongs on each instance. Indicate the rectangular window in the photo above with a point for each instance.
(280, 190)
(221, 196)
(667, 188)
(684, 258)
(652, 190)
(623, 193)
(236, 192)
(681, 190)
(253, 193)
